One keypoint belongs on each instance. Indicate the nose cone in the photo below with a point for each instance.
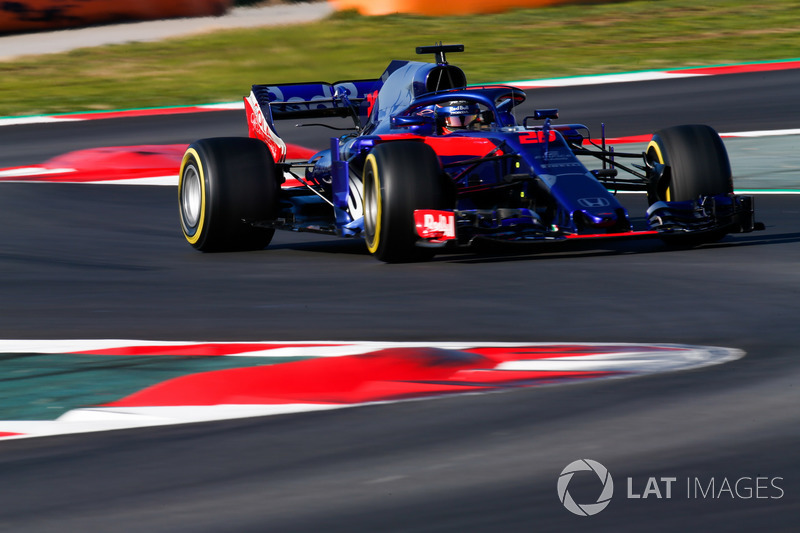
(596, 218)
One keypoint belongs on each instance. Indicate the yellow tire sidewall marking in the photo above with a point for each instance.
(191, 152)
(372, 246)
(654, 145)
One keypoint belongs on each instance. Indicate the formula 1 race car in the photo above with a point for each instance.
(432, 162)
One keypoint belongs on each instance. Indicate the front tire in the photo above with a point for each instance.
(696, 165)
(399, 178)
(696, 160)
(226, 183)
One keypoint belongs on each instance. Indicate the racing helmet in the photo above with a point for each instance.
(457, 115)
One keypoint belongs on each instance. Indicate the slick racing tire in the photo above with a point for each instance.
(400, 177)
(226, 183)
(696, 160)
(696, 165)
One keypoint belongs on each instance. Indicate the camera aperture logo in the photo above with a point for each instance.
(585, 509)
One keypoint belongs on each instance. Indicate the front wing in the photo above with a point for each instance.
(711, 215)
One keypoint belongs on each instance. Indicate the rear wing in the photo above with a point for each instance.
(267, 103)
(315, 100)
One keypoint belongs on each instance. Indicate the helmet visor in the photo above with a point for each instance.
(460, 121)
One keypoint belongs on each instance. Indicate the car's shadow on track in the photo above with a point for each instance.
(576, 250)
(494, 253)
(330, 245)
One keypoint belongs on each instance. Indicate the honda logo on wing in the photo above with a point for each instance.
(594, 202)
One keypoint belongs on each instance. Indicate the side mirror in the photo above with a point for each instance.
(541, 114)
(407, 121)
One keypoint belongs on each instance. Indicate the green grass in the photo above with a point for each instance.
(524, 44)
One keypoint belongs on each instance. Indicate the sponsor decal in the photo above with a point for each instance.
(435, 225)
(371, 99)
(355, 202)
(535, 137)
(258, 128)
(594, 202)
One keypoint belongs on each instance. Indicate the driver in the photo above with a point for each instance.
(457, 116)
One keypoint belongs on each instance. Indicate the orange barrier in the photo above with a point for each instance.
(33, 15)
(443, 7)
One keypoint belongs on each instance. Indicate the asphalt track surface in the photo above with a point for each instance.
(99, 261)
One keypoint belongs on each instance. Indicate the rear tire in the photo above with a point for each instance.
(225, 183)
(400, 177)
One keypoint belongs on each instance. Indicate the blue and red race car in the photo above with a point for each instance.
(432, 162)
